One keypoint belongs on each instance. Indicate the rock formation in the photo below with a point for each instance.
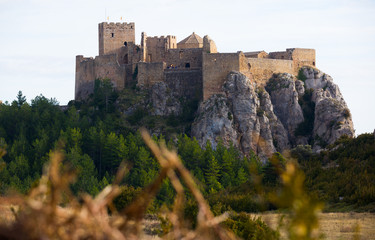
(164, 102)
(270, 119)
(332, 116)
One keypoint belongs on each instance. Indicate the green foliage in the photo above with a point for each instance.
(135, 73)
(250, 228)
(104, 95)
(272, 169)
(260, 112)
(127, 195)
(303, 209)
(20, 99)
(230, 116)
(306, 127)
(346, 113)
(301, 76)
(344, 175)
(99, 137)
(136, 116)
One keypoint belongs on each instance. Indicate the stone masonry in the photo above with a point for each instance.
(192, 61)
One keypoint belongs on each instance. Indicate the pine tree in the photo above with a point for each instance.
(20, 99)
(212, 175)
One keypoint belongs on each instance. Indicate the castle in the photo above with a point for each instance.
(194, 62)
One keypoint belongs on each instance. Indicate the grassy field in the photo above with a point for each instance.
(335, 226)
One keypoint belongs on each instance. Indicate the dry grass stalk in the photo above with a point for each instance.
(42, 216)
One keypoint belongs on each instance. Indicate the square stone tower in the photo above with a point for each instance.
(112, 36)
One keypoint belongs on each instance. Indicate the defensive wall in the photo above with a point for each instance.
(302, 57)
(257, 54)
(184, 58)
(89, 69)
(129, 53)
(185, 82)
(263, 68)
(215, 69)
(150, 73)
(157, 47)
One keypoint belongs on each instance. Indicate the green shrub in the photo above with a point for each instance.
(301, 76)
(250, 228)
(127, 195)
(306, 127)
(346, 113)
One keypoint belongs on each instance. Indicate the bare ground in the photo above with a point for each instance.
(335, 226)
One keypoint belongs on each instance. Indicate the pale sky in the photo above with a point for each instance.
(40, 39)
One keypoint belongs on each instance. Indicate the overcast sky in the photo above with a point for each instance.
(40, 39)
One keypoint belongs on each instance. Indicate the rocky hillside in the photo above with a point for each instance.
(285, 113)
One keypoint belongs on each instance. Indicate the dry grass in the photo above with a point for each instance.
(335, 226)
(7, 208)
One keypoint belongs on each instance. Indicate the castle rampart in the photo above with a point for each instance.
(185, 82)
(155, 48)
(263, 68)
(184, 58)
(150, 73)
(216, 67)
(89, 69)
(192, 63)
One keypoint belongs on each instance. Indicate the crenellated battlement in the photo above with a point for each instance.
(124, 25)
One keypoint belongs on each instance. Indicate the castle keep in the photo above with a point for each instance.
(194, 62)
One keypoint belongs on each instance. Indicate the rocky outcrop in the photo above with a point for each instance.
(332, 115)
(240, 117)
(215, 120)
(284, 96)
(279, 134)
(164, 102)
(265, 120)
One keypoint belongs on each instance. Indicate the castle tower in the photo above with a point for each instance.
(112, 36)
(209, 45)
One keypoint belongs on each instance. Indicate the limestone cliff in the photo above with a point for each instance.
(285, 113)
(332, 116)
(164, 101)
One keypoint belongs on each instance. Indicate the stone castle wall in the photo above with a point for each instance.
(263, 68)
(129, 54)
(112, 36)
(150, 73)
(302, 57)
(183, 82)
(85, 74)
(216, 67)
(158, 59)
(280, 55)
(89, 69)
(157, 47)
(180, 58)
